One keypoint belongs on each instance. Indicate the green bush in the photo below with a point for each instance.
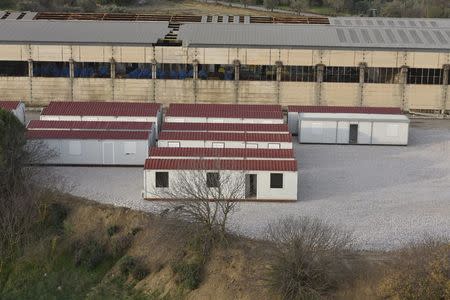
(139, 272)
(127, 265)
(90, 254)
(112, 230)
(54, 216)
(188, 274)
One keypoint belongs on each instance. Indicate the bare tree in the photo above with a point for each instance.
(205, 197)
(298, 5)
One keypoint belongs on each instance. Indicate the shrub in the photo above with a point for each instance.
(90, 254)
(127, 265)
(139, 272)
(112, 230)
(120, 244)
(136, 230)
(54, 216)
(188, 274)
(420, 271)
(309, 258)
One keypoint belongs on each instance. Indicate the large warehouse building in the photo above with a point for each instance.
(228, 59)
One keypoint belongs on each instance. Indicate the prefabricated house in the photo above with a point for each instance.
(220, 153)
(195, 139)
(94, 147)
(224, 113)
(294, 110)
(362, 129)
(226, 127)
(16, 107)
(254, 179)
(103, 111)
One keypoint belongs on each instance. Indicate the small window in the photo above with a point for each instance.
(162, 179)
(274, 146)
(212, 180)
(173, 144)
(276, 180)
(129, 148)
(252, 145)
(218, 145)
(74, 147)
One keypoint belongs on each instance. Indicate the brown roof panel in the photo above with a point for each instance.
(225, 127)
(209, 164)
(346, 109)
(224, 136)
(220, 152)
(87, 135)
(89, 125)
(9, 105)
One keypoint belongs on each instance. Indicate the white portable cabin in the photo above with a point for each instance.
(189, 139)
(294, 110)
(224, 113)
(17, 108)
(362, 129)
(104, 111)
(94, 147)
(254, 179)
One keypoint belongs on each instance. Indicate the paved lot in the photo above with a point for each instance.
(387, 195)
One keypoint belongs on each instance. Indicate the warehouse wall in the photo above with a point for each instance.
(39, 91)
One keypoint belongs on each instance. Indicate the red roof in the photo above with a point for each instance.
(128, 109)
(87, 135)
(89, 125)
(251, 111)
(9, 105)
(224, 136)
(225, 127)
(346, 109)
(221, 152)
(211, 164)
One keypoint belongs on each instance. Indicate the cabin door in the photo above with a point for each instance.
(353, 134)
(250, 186)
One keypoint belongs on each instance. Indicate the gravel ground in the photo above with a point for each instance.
(386, 195)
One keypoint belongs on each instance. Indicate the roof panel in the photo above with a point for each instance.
(209, 164)
(89, 125)
(9, 105)
(346, 109)
(231, 127)
(220, 152)
(87, 135)
(130, 109)
(80, 32)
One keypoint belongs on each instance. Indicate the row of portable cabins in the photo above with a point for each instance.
(249, 145)
(17, 108)
(97, 133)
(348, 125)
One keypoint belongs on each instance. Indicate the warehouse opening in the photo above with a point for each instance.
(13, 68)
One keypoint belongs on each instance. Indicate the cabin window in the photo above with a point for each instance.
(274, 146)
(252, 145)
(218, 145)
(173, 144)
(212, 180)
(276, 180)
(129, 148)
(162, 179)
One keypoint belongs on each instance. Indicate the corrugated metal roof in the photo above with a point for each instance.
(127, 109)
(87, 135)
(313, 36)
(210, 164)
(81, 32)
(224, 136)
(252, 111)
(353, 117)
(89, 125)
(345, 109)
(9, 105)
(221, 152)
(390, 22)
(225, 127)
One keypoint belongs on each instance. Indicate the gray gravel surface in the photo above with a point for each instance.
(386, 195)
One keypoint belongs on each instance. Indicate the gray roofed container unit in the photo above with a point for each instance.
(314, 36)
(82, 32)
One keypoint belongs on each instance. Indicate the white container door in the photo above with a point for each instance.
(108, 153)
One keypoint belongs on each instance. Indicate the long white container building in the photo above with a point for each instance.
(362, 129)
(190, 139)
(93, 142)
(17, 108)
(259, 180)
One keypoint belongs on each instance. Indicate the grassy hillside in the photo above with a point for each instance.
(84, 250)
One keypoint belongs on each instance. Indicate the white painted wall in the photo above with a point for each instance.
(264, 192)
(228, 144)
(91, 151)
(19, 112)
(293, 122)
(390, 133)
(321, 132)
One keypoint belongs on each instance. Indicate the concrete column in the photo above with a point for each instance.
(445, 80)
(195, 64)
(237, 66)
(113, 68)
(154, 67)
(71, 76)
(30, 78)
(318, 89)
(153, 80)
(362, 71)
(279, 70)
(112, 74)
(402, 81)
(30, 68)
